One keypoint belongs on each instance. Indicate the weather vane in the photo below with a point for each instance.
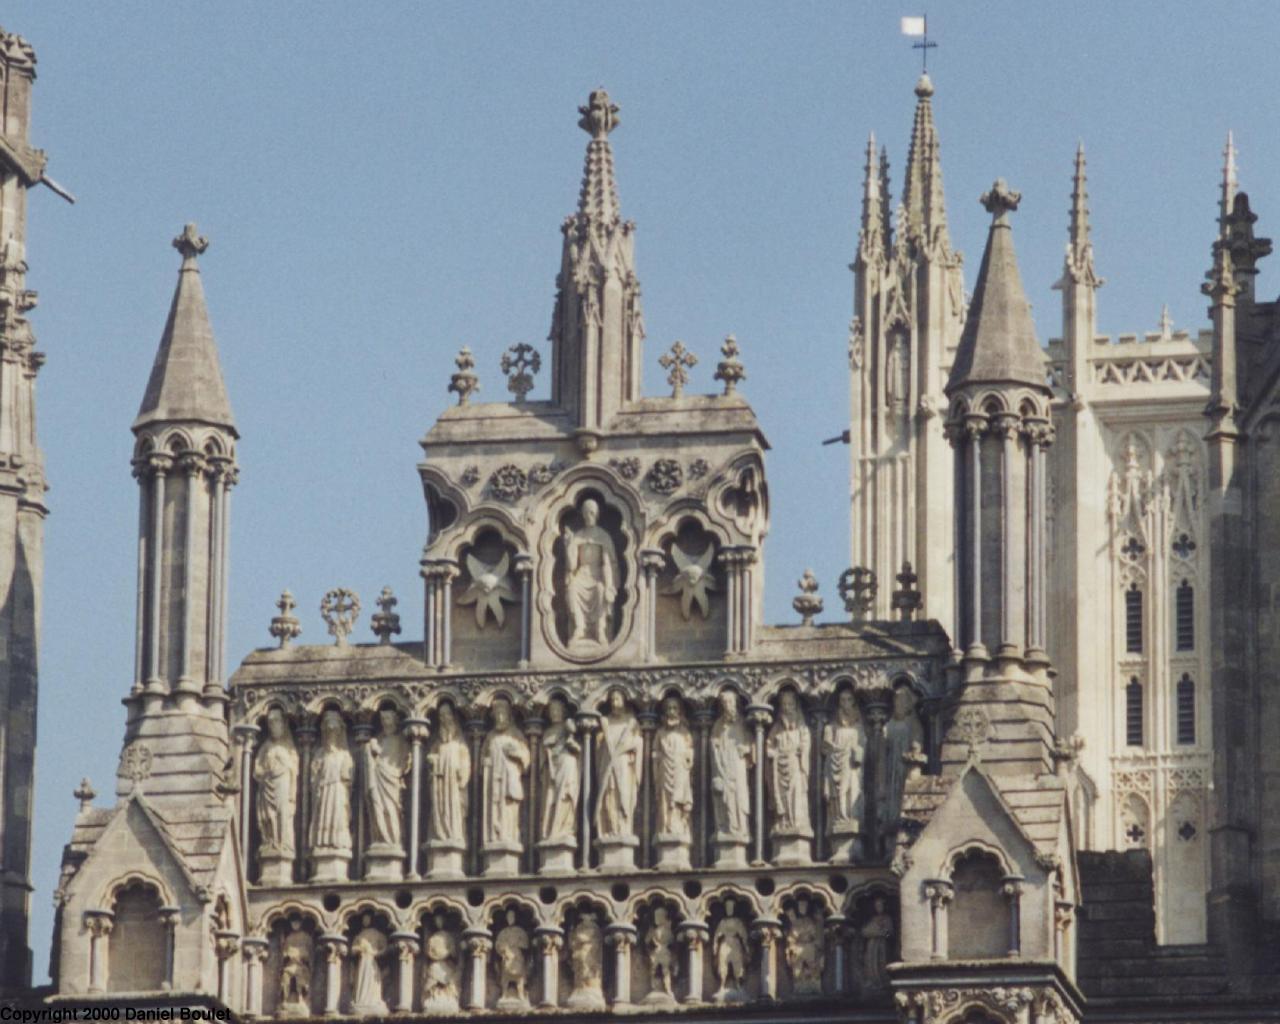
(918, 25)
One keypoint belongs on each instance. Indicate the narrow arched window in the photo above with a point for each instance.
(1186, 709)
(1133, 620)
(1185, 617)
(1133, 713)
(978, 920)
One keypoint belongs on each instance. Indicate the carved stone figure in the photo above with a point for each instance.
(295, 972)
(591, 579)
(386, 764)
(331, 771)
(562, 780)
(658, 941)
(586, 964)
(673, 772)
(692, 580)
(504, 760)
(903, 744)
(803, 950)
(275, 770)
(619, 752)
(729, 948)
(732, 757)
(876, 936)
(787, 750)
(448, 772)
(843, 746)
(490, 586)
(366, 984)
(511, 950)
(442, 975)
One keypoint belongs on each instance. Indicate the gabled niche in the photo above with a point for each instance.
(692, 616)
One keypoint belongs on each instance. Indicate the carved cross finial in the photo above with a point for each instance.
(907, 599)
(135, 764)
(599, 116)
(84, 793)
(808, 603)
(190, 243)
(386, 622)
(857, 588)
(678, 362)
(730, 369)
(465, 381)
(519, 363)
(340, 608)
(1001, 201)
(285, 627)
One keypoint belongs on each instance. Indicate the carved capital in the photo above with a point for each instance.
(767, 931)
(99, 922)
(694, 934)
(334, 948)
(548, 940)
(254, 950)
(939, 892)
(226, 944)
(620, 936)
(478, 943)
(417, 730)
(405, 945)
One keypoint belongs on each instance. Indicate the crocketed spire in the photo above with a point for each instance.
(186, 380)
(999, 340)
(598, 200)
(926, 215)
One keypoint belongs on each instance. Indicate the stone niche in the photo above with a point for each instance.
(692, 609)
(486, 595)
(293, 974)
(978, 920)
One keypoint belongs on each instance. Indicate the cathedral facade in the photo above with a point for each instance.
(598, 782)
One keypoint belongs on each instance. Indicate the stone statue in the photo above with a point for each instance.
(876, 935)
(366, 982)
(903, 743)
(732, 757)
(442, 976)
(787, 750)
(511, 950)
(803, 950)
(386, 764)
(295, 972)
(619, 754)
(586, 964)
(562, 779)
(275, 770)
(673, 771)
(504, 761)
(658, 941)
(591, 579)
(449, 769)
(729, 947)
(331, 771)
(843, 745)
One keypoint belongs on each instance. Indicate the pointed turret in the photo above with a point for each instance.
(871, 236)
(597, 327)
(1078, 284)
(922, 195)
(999, 341)
(1230, 183)
(1079, 260)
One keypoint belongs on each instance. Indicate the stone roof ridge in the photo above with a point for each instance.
(998, 344)
(598, 203)
(186, 379)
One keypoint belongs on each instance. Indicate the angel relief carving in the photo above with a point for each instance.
(693, 579)
(490, 586)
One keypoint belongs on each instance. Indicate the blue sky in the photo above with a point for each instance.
(382, 183)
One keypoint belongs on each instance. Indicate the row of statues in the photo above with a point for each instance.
(602, 758)
(507, 958)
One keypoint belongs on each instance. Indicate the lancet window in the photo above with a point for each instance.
(1185, 617)
(1133, 713)
(1186, 710)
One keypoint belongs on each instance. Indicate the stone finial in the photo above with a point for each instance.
(1000, 201)
(465, 381)
(807, 603)
(730, 369)
(285, 627)
(190, 243)
(678, 362)
(84, 793)
(386, 621)
(519, 364)
(906, 600)
(857, 588)
(340, 608)
(599, 116)
(1166, 323)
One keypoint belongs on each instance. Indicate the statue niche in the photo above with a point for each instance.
(692, 614)
(486, 617)
(590, 577)
(293, 959)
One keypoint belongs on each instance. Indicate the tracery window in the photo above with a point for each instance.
(1185, 618)
(1186, 709)
(1133, 713)
(1133, 620)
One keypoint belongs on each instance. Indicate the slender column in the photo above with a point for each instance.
(549, 942)
(99, 924)
(220, 595)
(247, 736)
(1012, 891)
(533, 727)
(476, 726)
(229, 941)
(405, 945)
(876, 714)
(192, 466)
(362, 733)
(217, 486)
(587, 725)
(704, 818)
(837, 928)
(159, 468)
(818, 806)
(730, 562)
(939, 892)
(225, 944)
(652, 561)
(430, 645)
(976, 427)
(417, 729)
(694, 934)
(306, 735)
(760, 716)
(648, 719)
(439, 575)
(140, 671)
(479, 943)
(956, 435)
(767, 932)
(255, 952)
(1004, 430)
(1063, 952)
(622, 938)
(524, 571)
(335, 951)
(747, 599)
